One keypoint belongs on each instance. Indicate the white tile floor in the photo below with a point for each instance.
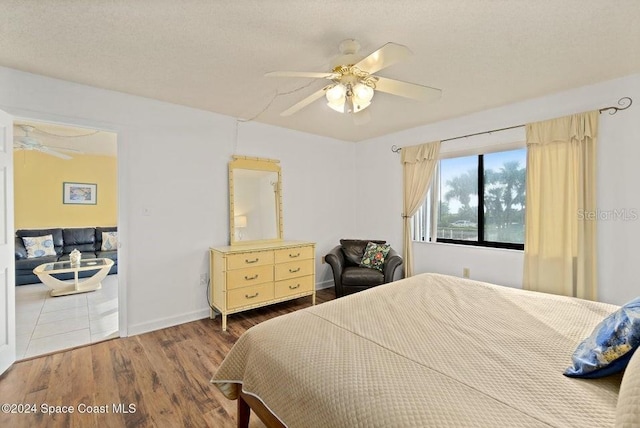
(46, 324)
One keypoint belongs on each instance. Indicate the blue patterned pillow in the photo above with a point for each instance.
(610, 346)
(109, 241)
(374, 255)
(39, 246)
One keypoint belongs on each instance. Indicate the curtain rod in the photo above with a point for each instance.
(612, 110)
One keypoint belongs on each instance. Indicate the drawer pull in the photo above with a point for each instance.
(251, 278)
(294, 270)
(293, 256)
(292, 287)
(252, 296)
(251, 261)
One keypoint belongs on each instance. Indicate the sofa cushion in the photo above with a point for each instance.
(20, 251)
(39, 246)
(56, 233)
(360, 276)
(82, 238)
(113, 255)
(353, 249)
(29, 265)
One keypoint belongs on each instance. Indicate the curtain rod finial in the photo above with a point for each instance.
(395, 149)
(624, 102)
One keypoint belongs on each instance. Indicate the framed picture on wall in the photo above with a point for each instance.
(79, 193)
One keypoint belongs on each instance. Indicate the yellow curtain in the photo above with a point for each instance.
(560, 226)
(418, 164)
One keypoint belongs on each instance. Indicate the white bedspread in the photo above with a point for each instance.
(428, 351)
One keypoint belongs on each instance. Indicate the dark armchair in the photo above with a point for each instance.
(349, 277)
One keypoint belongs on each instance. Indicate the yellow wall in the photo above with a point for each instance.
(38, 182)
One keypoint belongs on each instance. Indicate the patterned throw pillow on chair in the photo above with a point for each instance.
(374, 255)
(39, 246)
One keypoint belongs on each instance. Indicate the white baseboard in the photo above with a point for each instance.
(161, 323)
(324, 284)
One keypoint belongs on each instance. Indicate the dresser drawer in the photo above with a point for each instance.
(249, 295)
(244, 260)
(293, 286)
(294, 269)
(249, 276)
(293, 254)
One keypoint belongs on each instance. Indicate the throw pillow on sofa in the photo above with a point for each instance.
(39, 246)
(109, 241)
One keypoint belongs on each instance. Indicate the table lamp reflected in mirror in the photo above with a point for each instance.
(240, 222)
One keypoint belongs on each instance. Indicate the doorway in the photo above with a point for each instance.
(49, 160)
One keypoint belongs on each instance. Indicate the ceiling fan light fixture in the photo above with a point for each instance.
(346, 99)
(336, 97)
(354, 80)
(363, 92)
(337, 105)
(360, 105)
(336, 93)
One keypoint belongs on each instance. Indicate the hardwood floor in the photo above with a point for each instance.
(160, 379)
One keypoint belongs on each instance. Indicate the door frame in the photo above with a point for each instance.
(7, 288)
(122, 164)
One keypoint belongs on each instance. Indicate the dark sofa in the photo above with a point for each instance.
(88, 240)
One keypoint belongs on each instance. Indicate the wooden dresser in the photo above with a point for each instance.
(249, 276)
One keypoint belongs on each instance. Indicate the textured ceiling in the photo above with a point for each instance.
(212, 55)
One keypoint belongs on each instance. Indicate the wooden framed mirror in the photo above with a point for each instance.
(255, 200)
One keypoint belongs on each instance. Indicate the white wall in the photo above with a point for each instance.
(172, 162)
(378, 208)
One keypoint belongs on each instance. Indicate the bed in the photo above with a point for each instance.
(427, 351)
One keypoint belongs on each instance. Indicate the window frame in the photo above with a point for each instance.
(434, 199)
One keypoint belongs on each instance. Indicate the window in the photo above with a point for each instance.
(477, 200)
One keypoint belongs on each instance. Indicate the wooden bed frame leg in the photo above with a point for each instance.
(244, 412)
(247, 403)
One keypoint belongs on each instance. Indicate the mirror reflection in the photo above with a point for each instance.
(255, 197)
(255, 200)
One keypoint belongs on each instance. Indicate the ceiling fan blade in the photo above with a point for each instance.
(25, 140)
(301, 74)
(66, 149)
(407, 90)
(305, 102)
(48, 151)
(387, 55)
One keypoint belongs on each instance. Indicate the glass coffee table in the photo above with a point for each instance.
(59, 287)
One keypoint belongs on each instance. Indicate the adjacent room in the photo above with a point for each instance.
(363, 213)
(52, 164)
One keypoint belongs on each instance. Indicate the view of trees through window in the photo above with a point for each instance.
(504, 190)
(500, 191)
(458, 199)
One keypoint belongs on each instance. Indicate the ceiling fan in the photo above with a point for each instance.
(27, 142)
(354, 82)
